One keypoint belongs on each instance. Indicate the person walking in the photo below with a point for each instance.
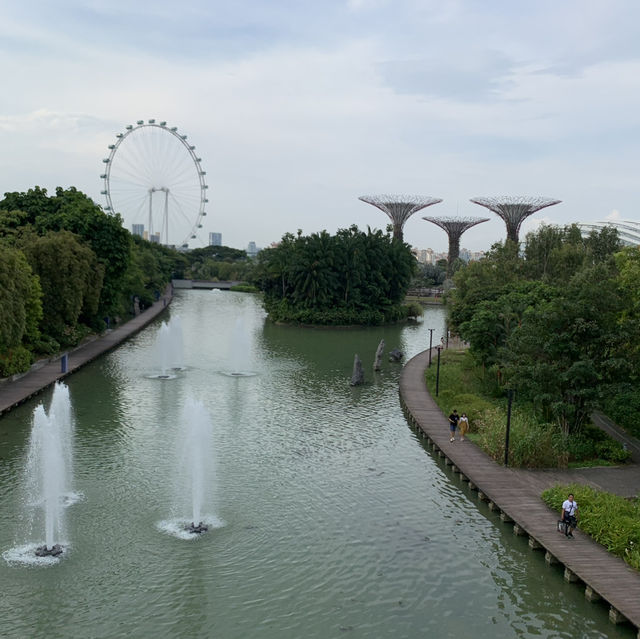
(463, 425)
(570, 515)
(453, 424)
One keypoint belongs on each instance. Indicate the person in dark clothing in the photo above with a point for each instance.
(453, 424)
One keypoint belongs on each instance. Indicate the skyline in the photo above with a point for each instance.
(296, 109)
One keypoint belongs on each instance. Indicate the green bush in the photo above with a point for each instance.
(414, 309)
(594, 444)
(624, 409)
(15, 360)
(46, 345)
(611, 520)
(532, 443)
(282, 311)
(244, 288)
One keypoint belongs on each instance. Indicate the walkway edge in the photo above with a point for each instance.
(604, 575)
(14, 393)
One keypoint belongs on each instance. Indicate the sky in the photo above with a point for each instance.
(298, 107)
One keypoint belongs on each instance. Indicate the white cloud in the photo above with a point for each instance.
(296, 111)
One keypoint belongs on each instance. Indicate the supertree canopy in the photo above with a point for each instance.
(455, 227)
(514, 209)
(399, 207)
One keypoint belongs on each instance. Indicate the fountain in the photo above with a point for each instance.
(176, 344)
(49, 467)
(168, 349)
(239, 353)
(195, 473)
(196, 427)
(48, 480)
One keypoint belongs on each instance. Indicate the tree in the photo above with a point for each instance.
(73, 211)
(352, 277)
(569, 347)
(71, 279)
(20, 306)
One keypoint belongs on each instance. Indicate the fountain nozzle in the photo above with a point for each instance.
(54, 551)
(197, 530)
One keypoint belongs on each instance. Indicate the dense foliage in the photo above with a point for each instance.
(352, 277)
(558, 323)
(533, 444)
(611, 520)
(65, 267)
(429, 275)
(218, 263)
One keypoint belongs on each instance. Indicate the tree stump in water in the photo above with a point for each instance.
(357, 378)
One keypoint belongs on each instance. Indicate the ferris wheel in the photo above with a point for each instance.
(155, 180)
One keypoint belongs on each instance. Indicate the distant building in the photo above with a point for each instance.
(465, 255)
(424, 256)
(628, 230)
(137, 229)
(252, 249)
(215, 239)
(154, 238)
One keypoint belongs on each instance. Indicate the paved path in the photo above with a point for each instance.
(17, 391)
(516, 494)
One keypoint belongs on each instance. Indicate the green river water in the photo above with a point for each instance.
(334, 521)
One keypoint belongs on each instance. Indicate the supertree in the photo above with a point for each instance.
(455, 227)
(399, 207)
(514, 209)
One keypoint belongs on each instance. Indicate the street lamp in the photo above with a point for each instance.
(438, 371)
(430, 344)
(506, 436)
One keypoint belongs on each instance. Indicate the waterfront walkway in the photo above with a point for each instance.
(516, 495)
(17, 390)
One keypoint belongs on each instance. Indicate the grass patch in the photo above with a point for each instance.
(244, 288)
(610, 520)
(532, 444)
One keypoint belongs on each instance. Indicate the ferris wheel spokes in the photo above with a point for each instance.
(153, 174)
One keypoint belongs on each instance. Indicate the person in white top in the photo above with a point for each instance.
(463, 425)
(570, 515)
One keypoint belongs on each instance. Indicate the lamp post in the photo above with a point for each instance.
(438, 371)
(430, 344)
(506, 436)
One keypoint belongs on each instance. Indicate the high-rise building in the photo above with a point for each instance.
(252, 249)
(138, 229)
(154, 238)
(215, 239)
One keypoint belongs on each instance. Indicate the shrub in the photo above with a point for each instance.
(15, 360)
(624, 409)
(609, 519)
(244, 288)
(413, 309)
(532, 443)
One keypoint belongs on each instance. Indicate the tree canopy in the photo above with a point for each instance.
(557, 321)
(352, 277)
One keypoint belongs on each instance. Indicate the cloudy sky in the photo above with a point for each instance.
(297, 107)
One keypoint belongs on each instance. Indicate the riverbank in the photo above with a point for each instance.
(516, 495)
(15, 391)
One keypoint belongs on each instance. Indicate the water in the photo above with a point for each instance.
(336, 520)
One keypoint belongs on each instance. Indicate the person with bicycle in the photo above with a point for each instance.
(570, 515)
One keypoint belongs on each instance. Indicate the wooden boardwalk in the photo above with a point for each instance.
(17, 391)
(518, 499)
